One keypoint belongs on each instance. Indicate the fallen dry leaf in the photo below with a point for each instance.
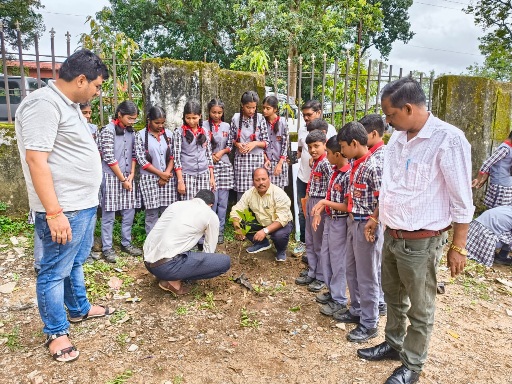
(8, 288)
(453, 334)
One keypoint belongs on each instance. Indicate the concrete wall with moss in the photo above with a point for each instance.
(171, 83)
(12, 184)
(482, 108)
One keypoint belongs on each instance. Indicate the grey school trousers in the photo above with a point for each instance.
(314, 241)
(409, 282)
(107, 227)
(152, 218)
(362, 274)
(334, 252)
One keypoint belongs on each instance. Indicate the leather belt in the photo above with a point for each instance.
(415, 235)
(157, 263)
(338, 216)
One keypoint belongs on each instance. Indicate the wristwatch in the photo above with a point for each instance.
(462, 251)
(265, 230)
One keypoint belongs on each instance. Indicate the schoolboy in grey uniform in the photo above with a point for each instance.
(362, 265)
(374, 125)
(117, 145)
(335, 233)
(315, 191)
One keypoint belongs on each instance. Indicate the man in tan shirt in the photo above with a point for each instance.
(271, 208)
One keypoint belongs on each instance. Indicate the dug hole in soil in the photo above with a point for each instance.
(224, 333)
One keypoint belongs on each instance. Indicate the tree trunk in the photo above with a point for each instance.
(292, 81)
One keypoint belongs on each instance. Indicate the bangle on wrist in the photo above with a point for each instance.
(180, 181)
(373, 219)
(55, 215)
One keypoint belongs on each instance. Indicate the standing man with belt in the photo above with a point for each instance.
(426, 186)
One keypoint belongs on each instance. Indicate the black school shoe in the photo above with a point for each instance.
(360, 334)
(403, 375)
(382, 351)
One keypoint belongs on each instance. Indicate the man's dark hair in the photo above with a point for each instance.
(403, 91)
(353, 131)
(312, 104)
(333, 144)
(315, 136)
(83, 62)
(257, 169)
(206, 195)
(373, 122)
(320, 124)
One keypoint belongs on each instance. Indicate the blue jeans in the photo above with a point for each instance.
(61, 279)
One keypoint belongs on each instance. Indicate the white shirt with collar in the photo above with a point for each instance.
(304, 168)
(426, 181)
(179, 229)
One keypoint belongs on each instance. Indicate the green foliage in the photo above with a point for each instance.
(247, 319)
(495, 17)
(98, 274)
(208, 302)
(13, 339)
(30, 21)
(121, 378)
(139, 228)
(182, 310)
(110, 44)
(13, 226)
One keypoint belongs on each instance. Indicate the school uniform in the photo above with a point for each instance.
(155, 197)
(499, 168)
(362, 266)
(222, 170)
(117, 148)
(334, 239)
(245, 164)
(193, 160)
(316, 190)
(277, 150)
(377, 152)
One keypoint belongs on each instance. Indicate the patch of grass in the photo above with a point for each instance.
(13, 339)
(208, 302)
(121, 378)
(117, 315)
(121, 339)
(473, 281)
(229, 232)
(177, 379)
(98, 274)
(247, 319)
(182, 310)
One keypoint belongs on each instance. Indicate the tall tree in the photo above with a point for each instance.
(25, 13)
(187, 30)
(495, 17)
(396, 26)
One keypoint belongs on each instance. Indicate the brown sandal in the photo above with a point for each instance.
(169, 288)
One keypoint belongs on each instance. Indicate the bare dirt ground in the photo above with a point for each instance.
(224, 333)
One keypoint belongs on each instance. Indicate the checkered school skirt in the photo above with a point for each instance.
(282, 180)
(115, 198)
(193, 184)
(244, 165)
(154, 195)
(481, 243)
(498, 195)
(224, 177)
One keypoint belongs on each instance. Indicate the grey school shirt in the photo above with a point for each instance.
(47, 121)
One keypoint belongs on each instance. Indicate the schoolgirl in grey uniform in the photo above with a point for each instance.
(153, 149)
(248, 134)
(222, 167)
(193, 161)
(118, 191)
(278, 139)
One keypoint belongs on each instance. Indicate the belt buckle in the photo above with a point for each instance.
(399, 234)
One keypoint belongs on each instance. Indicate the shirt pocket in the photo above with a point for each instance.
(417, 176)
(359, 190)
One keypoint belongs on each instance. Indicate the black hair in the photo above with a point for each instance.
(320, 124)
(249, 97)
(192, 107)
(510, 135)
(211, 104)
(353, 131)
(333, 144)
(315, 136)
(126, 107)
(373, 122)
(403, 91)
(206, 195)
(83, 62)
(153, 114)
(84, 105)
(257, 169)
(312, 104)
(274, 103)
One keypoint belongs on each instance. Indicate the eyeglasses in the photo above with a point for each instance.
(132, 120)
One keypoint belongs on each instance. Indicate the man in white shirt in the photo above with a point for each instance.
(426, 187)
(167, 248)
(311, 110)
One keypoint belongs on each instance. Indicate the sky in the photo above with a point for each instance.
(446, 39)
